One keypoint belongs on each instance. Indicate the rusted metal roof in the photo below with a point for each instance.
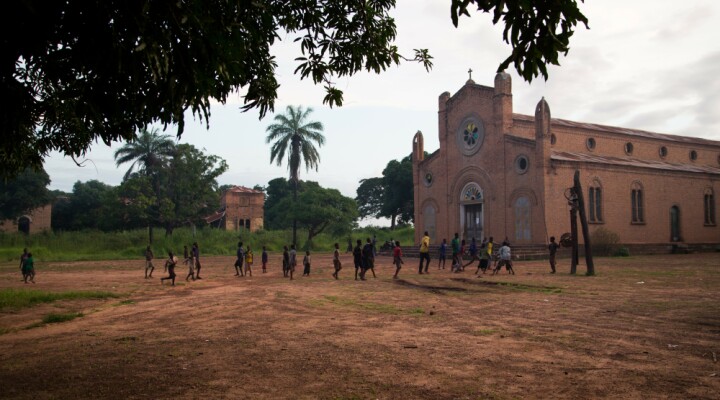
(214, 217)
(555, 122)
(564, 156)
(243, 189)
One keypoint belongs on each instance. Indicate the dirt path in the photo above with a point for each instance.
(645, 327)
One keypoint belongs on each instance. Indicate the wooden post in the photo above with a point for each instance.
(584, 224)
(574, 236)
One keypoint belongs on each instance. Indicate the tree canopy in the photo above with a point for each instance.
(389, 196)
(75, 73)
(25, 192)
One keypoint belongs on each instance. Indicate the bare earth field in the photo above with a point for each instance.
(643, 328)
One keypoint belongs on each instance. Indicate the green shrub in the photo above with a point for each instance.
(54, 318)
(622, 252)
(604, 242)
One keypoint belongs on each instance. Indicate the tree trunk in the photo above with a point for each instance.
(584, 223)
(574, 236)
(392, 221)
(294, 237)
(150, 233)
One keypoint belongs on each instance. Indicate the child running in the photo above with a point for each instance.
(148, 262)
(264, 260)
(357, 258)
(248, 261)
(28, 268)
(190, 264)
(170, 265)
(240, 260)
(336, 261)
(397, 258)
(196, 256)
(442, 254)
(368, 260)
(505, 259)
(306, 263)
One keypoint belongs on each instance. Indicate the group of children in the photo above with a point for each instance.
(192, 261)
(483, 254)
(363, 257)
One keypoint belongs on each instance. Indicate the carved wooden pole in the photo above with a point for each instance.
(584, 224)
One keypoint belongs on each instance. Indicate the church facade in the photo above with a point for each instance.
(507, 175)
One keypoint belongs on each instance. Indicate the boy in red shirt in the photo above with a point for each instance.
(397, 258)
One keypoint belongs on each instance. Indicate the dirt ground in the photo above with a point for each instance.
(643, 328)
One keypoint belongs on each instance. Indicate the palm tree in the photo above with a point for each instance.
(293, 131)
(148, 152)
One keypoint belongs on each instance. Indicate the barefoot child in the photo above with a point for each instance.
(306, 263)
(28, 269)
(293, 261)
(196, 256)
(505, 259)
(397, 258)
(148, 262)
(442, 252)
(189, 263)
(336, 261)
(286, 262)
(240, 260)
(357, 258)
(264, 259)
(170, 266)
(248, 261)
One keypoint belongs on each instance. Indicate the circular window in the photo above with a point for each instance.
(428, 179)
(470, 136)
(693, 155)
(553, 139)
(522, 164)
(663, 151)
(628, 148)
(590, 143)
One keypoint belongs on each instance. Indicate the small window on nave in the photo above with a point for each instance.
(636, 204)
(709, 207)
(663, 151)
(595, 202)
(629, 148)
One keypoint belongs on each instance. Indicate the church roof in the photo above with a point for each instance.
(622, 131)
(631, 162)
(242, 189)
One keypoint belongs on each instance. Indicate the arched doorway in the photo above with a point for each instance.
(675, 224)
(24, 224)
(471, 211)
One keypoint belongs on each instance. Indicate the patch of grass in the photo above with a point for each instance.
(55, 318)
(527, 288)
(16, 298)
(484, 332)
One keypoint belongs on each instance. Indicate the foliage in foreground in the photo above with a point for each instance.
(19, 298)
(96, 245)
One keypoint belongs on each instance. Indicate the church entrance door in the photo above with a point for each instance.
(473, 221)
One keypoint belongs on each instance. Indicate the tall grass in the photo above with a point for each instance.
(96, 245)
(18, 298)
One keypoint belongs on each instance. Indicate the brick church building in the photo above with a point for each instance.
(503, 174)
(241, 208)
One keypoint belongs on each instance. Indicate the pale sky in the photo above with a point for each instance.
(644, 64)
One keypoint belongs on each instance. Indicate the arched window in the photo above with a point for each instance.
(595, 201)
(522, 219)
(709, 207)
(636, 203)
(429, 220)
